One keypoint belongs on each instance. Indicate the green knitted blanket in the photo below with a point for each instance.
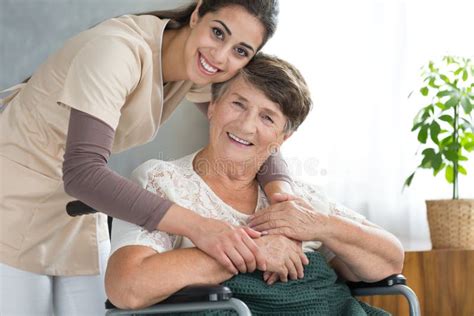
(319, 293)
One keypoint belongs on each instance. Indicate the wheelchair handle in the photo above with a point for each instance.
(78, 208)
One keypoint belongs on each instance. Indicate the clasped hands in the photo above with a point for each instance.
(271, 242)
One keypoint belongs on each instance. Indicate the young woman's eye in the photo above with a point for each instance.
(218, 33)
(241, 52)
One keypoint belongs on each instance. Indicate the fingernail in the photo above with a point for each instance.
(264, 233)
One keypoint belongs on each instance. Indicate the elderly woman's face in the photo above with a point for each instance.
(244, 124)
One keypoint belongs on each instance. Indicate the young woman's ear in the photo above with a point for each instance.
(195, 15)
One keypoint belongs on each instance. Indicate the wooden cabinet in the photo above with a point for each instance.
(442, 279)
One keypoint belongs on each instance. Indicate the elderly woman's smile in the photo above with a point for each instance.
(239, 141)
(245, 124)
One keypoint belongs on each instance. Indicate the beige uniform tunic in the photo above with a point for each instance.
(113, 72)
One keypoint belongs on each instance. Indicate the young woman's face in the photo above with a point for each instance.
(245, 125)
(220, 43)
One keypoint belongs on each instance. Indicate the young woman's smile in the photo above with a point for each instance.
(207, 68)
(220, 43)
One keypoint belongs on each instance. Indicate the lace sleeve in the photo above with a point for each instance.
(343, 211)
(318, 199)
(128, 234)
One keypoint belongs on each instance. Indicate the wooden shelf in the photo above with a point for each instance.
(443, 280)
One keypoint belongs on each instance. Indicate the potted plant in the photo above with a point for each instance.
(445, 130)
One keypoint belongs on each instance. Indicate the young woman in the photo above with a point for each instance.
(106, 90)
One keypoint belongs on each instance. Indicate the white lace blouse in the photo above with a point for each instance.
(178, 182)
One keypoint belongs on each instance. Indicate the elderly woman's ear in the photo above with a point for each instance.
(210, 110)
(287, 135)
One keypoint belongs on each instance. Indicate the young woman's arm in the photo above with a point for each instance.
(274, 177)
(88, 178)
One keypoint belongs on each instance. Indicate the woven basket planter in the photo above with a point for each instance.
(451, 223)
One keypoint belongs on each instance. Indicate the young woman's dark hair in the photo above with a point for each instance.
(266, 11)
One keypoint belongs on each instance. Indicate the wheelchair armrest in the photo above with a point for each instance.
(78, 208)
(194, 293)
(387, 282)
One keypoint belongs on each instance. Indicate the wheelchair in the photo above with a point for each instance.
(218, 297)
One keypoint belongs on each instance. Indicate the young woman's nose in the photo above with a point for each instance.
(220, 54)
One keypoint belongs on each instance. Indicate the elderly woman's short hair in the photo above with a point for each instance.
(281, 83)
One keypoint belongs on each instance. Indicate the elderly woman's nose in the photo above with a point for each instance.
(248, 122)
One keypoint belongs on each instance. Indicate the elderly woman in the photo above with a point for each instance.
(250, 117)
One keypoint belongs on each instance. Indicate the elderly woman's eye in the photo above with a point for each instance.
(218, 32)
(238, 104)
(268, 118)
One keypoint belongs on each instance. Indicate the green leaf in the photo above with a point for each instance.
(426, 113)
(441, 106)
(458, 71)
(436, 171)
(452, 102)
(462, 170)
(462, 158)
(431, 66)
(427, 163)
(418, 116)
(423, 134)
(468, 125)
(467, 141)
(416, 126)
(447, 119)
(464, 75)
(430, 152)
(409, 180)
(434, 131)
(436, 162)
(444, 93)
(450, 154)
(449, 174)
(444, 78)
(424, 91)
(445, 141)
(432, 83)
(466, 104)
(469, 146)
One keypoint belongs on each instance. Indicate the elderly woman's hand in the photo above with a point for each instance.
(285, 258)
(293, 218)
(233, 247)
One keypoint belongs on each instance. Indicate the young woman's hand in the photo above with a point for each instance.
(233, 247)
(285, 258)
